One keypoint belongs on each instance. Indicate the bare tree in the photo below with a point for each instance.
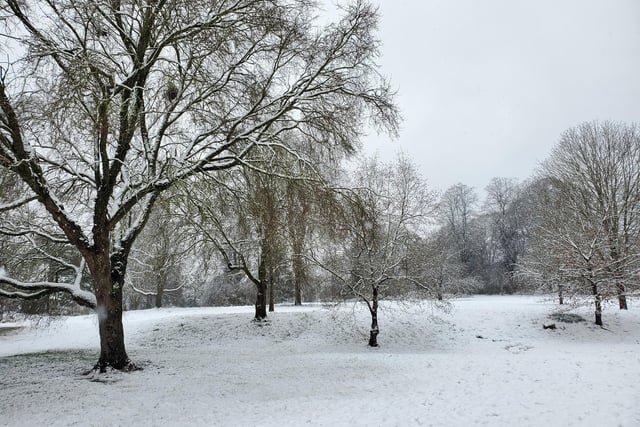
(106, 104)
(259, 223)
(456, 211)
(157, 257)
(601, 162)
(467, 234)
(385, 213)
(564, 250)
(589, 227)
(508, 215)
(241, 214)
(300, 200)
(441, 267)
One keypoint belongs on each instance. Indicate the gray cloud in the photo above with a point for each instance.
(486, 87)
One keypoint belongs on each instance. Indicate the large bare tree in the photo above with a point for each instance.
(589, 221)
(106, 104)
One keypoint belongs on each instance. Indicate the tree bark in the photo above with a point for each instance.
(373, 308)
(598, 303)
(298, 274)
(272, 296)
(261, 302)
(108, 279)
(261, 284)
(158, 296)
(112, 349)
(622, 297)
(297, 294)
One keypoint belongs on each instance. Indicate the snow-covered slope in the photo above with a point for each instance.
(487, 362)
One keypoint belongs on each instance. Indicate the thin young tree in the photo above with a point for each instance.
(384, 212)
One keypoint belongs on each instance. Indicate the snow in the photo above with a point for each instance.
(487, 362)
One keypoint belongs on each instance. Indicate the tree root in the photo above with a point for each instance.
(261, 322)
(104, 368)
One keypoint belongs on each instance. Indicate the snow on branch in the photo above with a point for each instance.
(24, 295)
(16, 204)
(32, 290)
(33, 231)
(155, 293)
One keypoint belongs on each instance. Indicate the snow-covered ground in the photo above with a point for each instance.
(487, 362)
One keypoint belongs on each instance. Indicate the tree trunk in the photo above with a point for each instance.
(298, 231)
(112, 350)
(612, 225)
(272, 297)
(598, 302)
(560, 295)
(108, 279)
(261, 302)
(622, 297)
(261, 285)
(373, 333)
(298, 274)
(158, 296)
(297, 293)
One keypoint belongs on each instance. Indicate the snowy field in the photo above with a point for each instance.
(487, 362)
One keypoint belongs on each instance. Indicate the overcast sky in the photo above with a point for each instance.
(486, 87)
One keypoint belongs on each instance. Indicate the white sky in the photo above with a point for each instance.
(487, 86)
